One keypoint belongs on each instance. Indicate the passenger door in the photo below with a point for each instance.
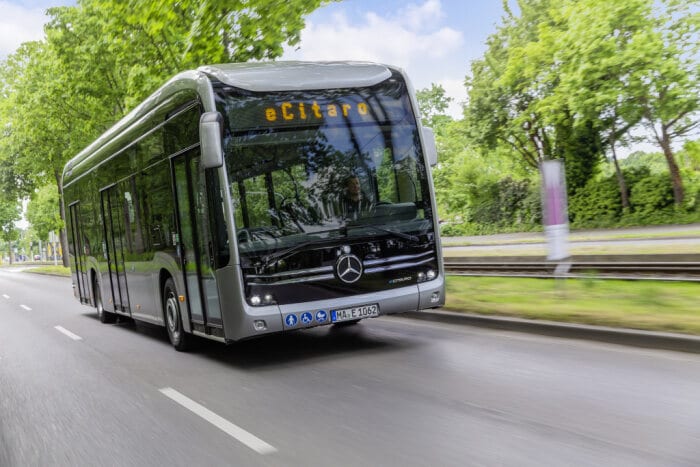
(112, 212)
(76, 240)
(195, 239)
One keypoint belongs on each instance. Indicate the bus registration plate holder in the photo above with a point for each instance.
(356, 312)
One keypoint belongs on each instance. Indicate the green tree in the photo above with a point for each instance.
(433, 103)
(43, 212)
(10, 213)
(50, 122)
(512, 95)
(626, 62)
(129, 48)
(692, 154)
(669, 87)
(594, 49)
(101, 57)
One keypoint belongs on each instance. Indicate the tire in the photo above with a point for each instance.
(103, 315)
(181, 340)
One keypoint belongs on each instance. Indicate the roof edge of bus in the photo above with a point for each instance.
(298, 75)
(189, 79)
(253, 76)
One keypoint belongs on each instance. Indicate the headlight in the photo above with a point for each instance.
(257, 300)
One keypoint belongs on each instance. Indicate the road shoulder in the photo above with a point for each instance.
(621, 336)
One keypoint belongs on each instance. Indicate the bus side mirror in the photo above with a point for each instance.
(210, 132)
(430, 146)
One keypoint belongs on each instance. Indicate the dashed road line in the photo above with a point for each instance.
(250, 440)
(25, 307)
(5, 296)
(65, 331)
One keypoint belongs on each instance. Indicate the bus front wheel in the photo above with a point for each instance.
(173, 321)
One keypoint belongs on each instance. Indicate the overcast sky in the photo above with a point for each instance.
(433, 40)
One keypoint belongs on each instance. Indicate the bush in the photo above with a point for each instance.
(507, 203)
(511, 205)
(652, 194)
(597, 204)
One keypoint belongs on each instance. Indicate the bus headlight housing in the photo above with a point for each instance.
(428, 275)
(265, 299)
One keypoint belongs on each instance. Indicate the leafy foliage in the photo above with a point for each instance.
(43, 212)
(513, 97)
(652, 194)
(433, 103)
(102, 57)
(575, 79)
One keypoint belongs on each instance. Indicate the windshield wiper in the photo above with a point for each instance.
(279, 255)
(411, 238)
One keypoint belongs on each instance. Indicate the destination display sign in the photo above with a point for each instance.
(304, 109)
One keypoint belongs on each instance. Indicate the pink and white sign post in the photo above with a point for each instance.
(554, 209)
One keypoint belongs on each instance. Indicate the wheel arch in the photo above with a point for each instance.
(163, 275)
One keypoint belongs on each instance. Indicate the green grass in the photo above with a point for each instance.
(50, 270)
(649, 305)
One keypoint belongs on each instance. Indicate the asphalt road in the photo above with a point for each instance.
(389, 391)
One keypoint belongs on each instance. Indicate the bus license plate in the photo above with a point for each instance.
(357, 312)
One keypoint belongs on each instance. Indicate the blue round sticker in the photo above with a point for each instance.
(291, 320)
(306, 318)
(321, 316)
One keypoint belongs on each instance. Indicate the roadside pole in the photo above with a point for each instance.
(52, 240)
(555, 215)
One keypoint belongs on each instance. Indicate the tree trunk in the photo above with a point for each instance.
(62, 234)
(676, 180)
(624, 198)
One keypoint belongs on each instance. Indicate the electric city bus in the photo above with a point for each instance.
(218, 207)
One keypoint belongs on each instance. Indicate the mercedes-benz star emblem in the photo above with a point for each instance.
(349, 268)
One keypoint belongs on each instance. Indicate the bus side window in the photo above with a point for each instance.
(158, 203)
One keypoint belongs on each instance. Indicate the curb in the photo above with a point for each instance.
(620, 336)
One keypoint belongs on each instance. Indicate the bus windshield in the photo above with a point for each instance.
(309, 167)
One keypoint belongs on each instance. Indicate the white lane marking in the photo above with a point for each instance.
(65, 331)
(25, 307)
(5, 295)
(250, 440)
